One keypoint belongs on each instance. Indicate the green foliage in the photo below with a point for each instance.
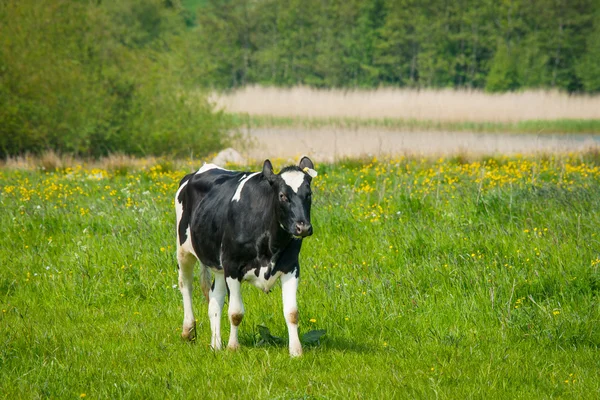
(504, 74)
(517, 67)
(555, 126)
(313, 337)
(449, 278)
(435, 44)
(308, 339)
(93, 78)
(588, 67)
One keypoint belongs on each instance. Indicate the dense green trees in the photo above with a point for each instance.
(92, 77)
(95, 76)
(489, 44)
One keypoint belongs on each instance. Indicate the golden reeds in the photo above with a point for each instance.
(435, 105)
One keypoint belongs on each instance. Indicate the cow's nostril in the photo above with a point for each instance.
(309, 230)
(303, 229)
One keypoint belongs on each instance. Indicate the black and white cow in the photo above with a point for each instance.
(245, 227)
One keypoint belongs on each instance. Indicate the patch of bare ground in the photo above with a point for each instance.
(328, 145)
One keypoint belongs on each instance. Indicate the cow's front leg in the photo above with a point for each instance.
(235, 311)
(289, 287)
(216, 298)
(186, 263)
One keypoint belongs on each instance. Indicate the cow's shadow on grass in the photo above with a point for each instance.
(312, 340)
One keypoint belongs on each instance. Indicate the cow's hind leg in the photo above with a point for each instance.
(289, 287)
(235, 311)
(186, 263)
(215, 308)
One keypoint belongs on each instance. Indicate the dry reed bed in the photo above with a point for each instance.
(435, 105)
(117, 163)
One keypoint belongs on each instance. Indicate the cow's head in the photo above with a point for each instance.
(291, 188)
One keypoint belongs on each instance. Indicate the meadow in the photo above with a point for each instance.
(446, 278)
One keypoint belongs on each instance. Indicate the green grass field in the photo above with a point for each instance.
(563, 126)
(433, 279)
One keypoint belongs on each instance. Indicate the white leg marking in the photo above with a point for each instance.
(235, 311)
(186, 273)
(215, 308)
(238, 191)
(293, 179)
(289, 287)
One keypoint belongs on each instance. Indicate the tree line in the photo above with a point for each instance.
(91, 77)
(496, 45)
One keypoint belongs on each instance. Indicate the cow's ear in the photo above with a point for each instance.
(268, 171)
(306, 163)
(307, 166)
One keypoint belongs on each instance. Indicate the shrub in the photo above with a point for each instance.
(90, 79)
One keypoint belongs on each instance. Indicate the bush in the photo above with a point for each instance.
(90, 79)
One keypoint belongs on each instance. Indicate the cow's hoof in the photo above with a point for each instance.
(216, 344)
(189, 332)
(233, 346)
(295, 351)
(189, 336)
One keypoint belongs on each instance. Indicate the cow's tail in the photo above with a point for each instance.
(205, 281)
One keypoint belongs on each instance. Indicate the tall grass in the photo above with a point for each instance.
(452, 278)
(428, 105)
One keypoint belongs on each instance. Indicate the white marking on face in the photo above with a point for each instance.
(293, 179)
(208, 167)
(238, 191)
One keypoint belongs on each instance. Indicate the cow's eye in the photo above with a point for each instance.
(283, 197)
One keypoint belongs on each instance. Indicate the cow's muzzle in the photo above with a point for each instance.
(303, 229)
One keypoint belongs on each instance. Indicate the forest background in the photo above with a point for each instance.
(95, 77)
